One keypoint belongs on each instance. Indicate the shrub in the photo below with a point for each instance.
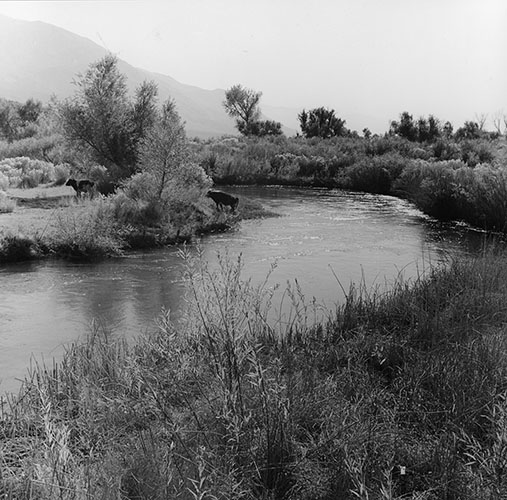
(375, 175)
(26, 173)
(18, 247)
(6, 204)
(4, 182)
(87, 231)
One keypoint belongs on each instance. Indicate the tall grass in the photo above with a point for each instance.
(400, 394)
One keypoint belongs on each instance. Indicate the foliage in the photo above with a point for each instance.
(102, 118)
(243, 104)
(164, 149)
(424, 130)
(26, 173)
(260, 128)
(19, 247)
(88, 231)
(6, 204)
(321, 122)
(18, 121)
(229, 404)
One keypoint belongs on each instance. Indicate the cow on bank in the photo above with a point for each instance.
(83, 186)
(223, 199)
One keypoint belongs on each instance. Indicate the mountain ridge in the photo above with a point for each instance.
(43, 60)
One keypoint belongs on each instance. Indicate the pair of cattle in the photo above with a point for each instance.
(221, 199)
(83, 186)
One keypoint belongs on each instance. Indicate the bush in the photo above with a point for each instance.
(23, 172)
(375, 175)
(87, 231)
(6, 204)
(18, 247)
(4, 182)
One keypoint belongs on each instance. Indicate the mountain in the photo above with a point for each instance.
(40, 60)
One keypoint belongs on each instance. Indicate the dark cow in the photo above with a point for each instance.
(83, 186)
(223, 199)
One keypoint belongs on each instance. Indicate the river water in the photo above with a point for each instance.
(324, 239)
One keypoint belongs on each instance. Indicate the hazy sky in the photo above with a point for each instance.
(359, 57)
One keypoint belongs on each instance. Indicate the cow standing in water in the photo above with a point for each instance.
(223, 199)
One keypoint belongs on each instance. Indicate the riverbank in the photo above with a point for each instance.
(449, 179)
(49, 221)
(399, 393)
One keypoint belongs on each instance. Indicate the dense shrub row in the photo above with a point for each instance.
(451, 180)
(24, 172)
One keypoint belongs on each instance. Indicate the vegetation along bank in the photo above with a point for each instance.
(400, 394)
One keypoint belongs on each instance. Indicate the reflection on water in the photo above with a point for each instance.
(358, 236)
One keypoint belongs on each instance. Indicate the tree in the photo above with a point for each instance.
(470, 130)
(30, 111)
(9, 121)
(243, 104)
(261, 128)
(405, 127)
(321, 122)
(164, 149)
(102, 118)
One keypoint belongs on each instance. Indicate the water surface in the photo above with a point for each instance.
(322, 237)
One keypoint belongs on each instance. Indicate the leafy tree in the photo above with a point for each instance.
(243, 104)
(321, 122)
(261, 128)
(30, 111)
(434, 131)
(405, 127)
(470, 130)
(164, 149)
(102, 118)
(447, 130)
(9, 121)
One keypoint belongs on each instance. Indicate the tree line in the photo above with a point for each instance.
(243, 104)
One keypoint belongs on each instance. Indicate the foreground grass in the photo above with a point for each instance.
(401, 394)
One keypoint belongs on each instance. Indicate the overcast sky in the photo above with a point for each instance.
(365, 57)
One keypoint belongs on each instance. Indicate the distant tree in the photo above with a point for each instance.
(30, 111)
(481, 119)
(102, 117)
(261, 128)
(447, 130)
(9, 121)
(423, 130)
(470, 130)
(434, 131)
(243, 104)
(366, 133)
(405, 127)
(321, 122)
(497, 122)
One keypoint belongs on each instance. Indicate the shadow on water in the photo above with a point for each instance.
(322, 233)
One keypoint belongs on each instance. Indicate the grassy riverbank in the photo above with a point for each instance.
(400, 394)
(449, 179)
(49, 221)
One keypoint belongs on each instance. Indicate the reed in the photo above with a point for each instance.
(400, 393)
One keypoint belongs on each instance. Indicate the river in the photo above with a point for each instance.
(323, 238)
